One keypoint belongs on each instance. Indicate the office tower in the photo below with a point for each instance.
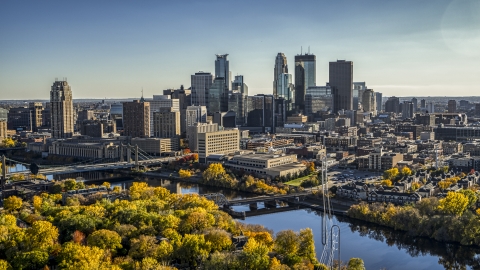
(369, 101)
(236, 103)
(392, 105)
(217, 142)
(464, 103)
(19, 119)
(286, 90)
(452, 106)
(196, 114)
(217, 97)
(305, 76)
(136, 118)
(36, 109)
(162, 101)
(225, 119)
(358, 89)
(378, 99)
(318, 98)
(415, 104)
(116, 114)
(185, 99)
(222, 70)
(407, 110)
(61, 103)
(238, 85)
(166, 123)
(197, 128)
(477, 108)
(280, 111)
(423, 103)
(260, 112)
(341, 82)
(201, 82)
(280, 68)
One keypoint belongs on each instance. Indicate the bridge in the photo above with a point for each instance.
(78, 168)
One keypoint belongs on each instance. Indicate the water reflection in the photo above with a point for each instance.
(379, 247)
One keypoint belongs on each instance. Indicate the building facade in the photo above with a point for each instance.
(61, 110)
(200, 83)
(341, 82)
(136, 118)
(305, 76)
(166, 123)
(217, 142)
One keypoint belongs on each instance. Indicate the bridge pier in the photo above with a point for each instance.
(271, 204)
(253, 206)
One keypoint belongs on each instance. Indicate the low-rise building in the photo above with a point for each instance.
(267, 164)
(217, 142)
(157, 146)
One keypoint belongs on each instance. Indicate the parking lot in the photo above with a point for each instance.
(344, 175)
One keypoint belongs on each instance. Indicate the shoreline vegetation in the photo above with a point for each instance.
(152, 229)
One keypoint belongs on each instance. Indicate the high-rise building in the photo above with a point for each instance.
(222, 70)
(286, 90)
(136, 118)
(369, 101)
(379, 100)
(36, 109)
(236, 103)
(196, 114)
(452, 106)
(84, 115)
(260, 112)
(239, 86)
(407, 110)
(217, 97)
(358, 89)
(3, 129)
(20, 119)
(162, 101)
(305, 76)
(415, 104)
(318, 98)
(201, 82)
(61, 103)
(116, 114)
(166, 123)
(477, 108)
(341, 82)
(185, 99)
(280, 68)
(392, 105)
(423, 104)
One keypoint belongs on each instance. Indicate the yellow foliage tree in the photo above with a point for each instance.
(387, 182)
(184, 173)
(12, 203)
(8, 142)
(106, 184)
(454, 203)
(391, 173)
(406, 171)
(214, 172)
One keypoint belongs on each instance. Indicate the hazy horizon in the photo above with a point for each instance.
(106, 49)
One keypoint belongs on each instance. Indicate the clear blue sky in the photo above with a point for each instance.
(114, 48)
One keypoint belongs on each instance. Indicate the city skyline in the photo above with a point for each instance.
(112, 51)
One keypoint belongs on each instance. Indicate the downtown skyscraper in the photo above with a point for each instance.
(222, 70)
(61, 102)
(305, 76)
(341, 82)
(280, 68)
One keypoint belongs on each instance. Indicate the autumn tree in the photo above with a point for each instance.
(105, 239)
(406, 171)
(214, 172)
(42, 236)
(74, 256)
(106, 184)
(192, 249)
(8, 143)
(70, 184)
(219, 239)
(472, 197)
(355, 264)
(391, 173)
(386, 182)
(455, 203)
(255, 255)
(184, 173)
(311, 167)
(12, 203)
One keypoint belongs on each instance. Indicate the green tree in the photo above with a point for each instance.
(105, 239)
(192, 249)
(355, 264)
(34, 259)
(307, 245)
(454, 203)
(472, 197)
(70, 184)
(255, 255)
(12, 203)
(219, 239)
(143, 246)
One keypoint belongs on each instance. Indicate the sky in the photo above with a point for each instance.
(114, 49)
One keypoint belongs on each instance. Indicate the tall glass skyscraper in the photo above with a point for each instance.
(285, 90)
(201, 82)
(341, 82)
(222, 70)
(305, 76)
(281, 67)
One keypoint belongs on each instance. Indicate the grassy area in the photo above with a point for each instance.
(297, 182)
